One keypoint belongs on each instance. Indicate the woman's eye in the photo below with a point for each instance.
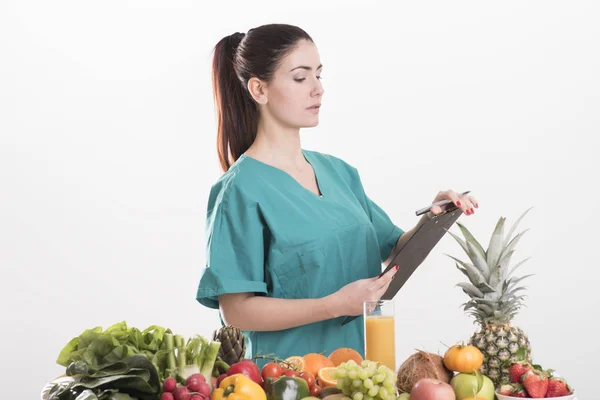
(303, 79)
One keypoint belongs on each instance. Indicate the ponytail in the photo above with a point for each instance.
(237, 113)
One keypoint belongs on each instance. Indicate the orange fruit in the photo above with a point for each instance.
(325, 378)
(314, 362)
(344, 354)
(297, 362)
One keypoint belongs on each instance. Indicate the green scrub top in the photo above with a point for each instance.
(269, 235)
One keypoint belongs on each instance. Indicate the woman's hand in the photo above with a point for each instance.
(465, 202)
(349, 300)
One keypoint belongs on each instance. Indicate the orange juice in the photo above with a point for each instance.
(379, 341)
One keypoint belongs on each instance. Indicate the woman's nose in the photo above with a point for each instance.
(318, 89)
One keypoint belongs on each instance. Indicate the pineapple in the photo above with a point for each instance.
(494, 298)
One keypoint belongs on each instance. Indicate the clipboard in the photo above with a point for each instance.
(416, 250)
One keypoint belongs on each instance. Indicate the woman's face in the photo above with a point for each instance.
(294, 94)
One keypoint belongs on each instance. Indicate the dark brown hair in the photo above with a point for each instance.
(237, 58)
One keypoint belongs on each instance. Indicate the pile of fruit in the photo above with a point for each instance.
(499, 354)
(457, 376)
(123, 363)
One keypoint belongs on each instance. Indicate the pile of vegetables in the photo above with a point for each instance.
(124, 363)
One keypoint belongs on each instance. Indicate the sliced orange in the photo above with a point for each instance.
(297, 362)
(314, 362)
(325, 378)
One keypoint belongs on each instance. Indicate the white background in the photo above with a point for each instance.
(107, 154)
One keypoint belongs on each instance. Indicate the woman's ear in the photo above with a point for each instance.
(258, 90)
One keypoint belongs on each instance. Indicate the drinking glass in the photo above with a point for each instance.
(379, 332)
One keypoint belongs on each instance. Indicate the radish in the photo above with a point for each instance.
(203, 389)
(194, 384)
(169, 384)
(182, 393)
(198, 397)
(199, 377)
(166, 396)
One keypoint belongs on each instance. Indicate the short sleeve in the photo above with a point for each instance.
(387, 232)
(235, 249)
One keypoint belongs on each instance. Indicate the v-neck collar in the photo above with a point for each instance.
(310, 162)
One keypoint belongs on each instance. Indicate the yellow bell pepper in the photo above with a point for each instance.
(238, 387)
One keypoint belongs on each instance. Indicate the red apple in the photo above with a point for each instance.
(432, 389)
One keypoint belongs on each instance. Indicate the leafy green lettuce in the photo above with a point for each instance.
(134, 377)
(98, 348)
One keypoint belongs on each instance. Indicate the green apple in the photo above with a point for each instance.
(465, 385)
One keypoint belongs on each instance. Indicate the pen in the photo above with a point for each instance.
(439, 203)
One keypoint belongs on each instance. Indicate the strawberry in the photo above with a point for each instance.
(557, 387)
(517, 370)
(536, 383)
(519, 391)
(506, 389)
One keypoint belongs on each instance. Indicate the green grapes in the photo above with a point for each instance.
(367, 381)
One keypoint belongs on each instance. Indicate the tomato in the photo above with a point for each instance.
(461, 358)
(314, 390)
(271, 370)
(289, 372)
(308, 377)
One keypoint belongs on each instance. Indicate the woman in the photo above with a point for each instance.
(293, 242)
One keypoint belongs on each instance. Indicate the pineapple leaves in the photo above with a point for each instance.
(513, 281)
(470, 289)
(471, 239)
(474, 275)
(485, 288)
(516, 266)
(460, 241)
(511, 245)
(508, 296)
(495, 246)
(478, 259)
(494, 293)
(514, 227)
(503, 265)
(486, 309)
(464, 271)
(489, 303)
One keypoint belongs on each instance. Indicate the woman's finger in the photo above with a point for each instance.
(471, 204)
(468, 205)
(435, 210)
(454, 197)
(385, 279)
(463, 202)
(474, 201)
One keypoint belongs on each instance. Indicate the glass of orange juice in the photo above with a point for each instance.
(380, 345)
